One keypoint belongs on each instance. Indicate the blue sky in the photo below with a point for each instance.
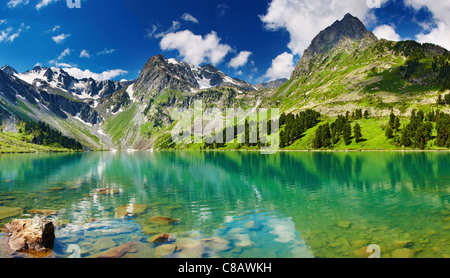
(255, 40)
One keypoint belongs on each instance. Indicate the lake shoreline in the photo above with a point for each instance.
(236, 150)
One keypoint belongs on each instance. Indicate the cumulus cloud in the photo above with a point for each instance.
(85, 54)
(189, 17)
(304, 19)
(65, 53)
(9, 34)
(196, 49)
(60, 38)
(240, 60)
(282, 67)
(106, 75)
(14, 3)
(386, 32)
(57, 62)
(440, 33)
(44, 3)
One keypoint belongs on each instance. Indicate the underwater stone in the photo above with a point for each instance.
(7, 212)
(163, 220)
(130, 210)
(344, 224)
(161, 238)
(403, 253)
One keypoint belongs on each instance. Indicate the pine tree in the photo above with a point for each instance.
(406, 138)
(389, 132)
(347, 134)
(357, 133)
(397, 124)
(392, 119)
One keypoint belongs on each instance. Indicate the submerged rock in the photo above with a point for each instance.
(130, 210)
(360, 243)
(7, 212)
(189, 248)
(163, 220)
(106, 191)
(403, 253)
(344, 224)
(132, 249)
(165, 251)
(161, 238)
(104, 243)
(362, 253)
(45, 212)
(37, 234)
(403, 244)
(215, 244)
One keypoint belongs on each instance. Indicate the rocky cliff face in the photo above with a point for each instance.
(350, 28)
(14, 89)
(160, 74)
(8, 70)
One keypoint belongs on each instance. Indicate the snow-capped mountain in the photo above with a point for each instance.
(8, 69)
(160, 74)
(56, 78)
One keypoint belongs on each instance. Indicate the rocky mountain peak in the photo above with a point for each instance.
(349, 28)
(8, 69)
(160, 74)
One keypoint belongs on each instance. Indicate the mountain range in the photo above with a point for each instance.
(346, 67)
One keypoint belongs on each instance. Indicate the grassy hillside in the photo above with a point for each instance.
(379, 76)
(14, 143)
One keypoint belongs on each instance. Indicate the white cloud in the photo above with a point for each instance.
(196, 49)
(8, 35)
(106, 51)
(56, 28)
(440, 34)
(2, 21)
(14, 3)
(56, 62)
(282, 67)
(61, 65)
(240, 60)
(106, 75)
(386, 32)
(304, 19)
(44, 3)
(175, 27)
(189, 17)
(65, 53)
(60, 38)
(85, 54)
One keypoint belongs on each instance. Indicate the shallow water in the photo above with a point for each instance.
(296, 204)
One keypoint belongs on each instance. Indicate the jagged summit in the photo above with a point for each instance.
(161, 74)
(8, 69)
(349, 28)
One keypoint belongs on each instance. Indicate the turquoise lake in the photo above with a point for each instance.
(235, 204)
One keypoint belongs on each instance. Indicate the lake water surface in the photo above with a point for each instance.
(237, 204)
